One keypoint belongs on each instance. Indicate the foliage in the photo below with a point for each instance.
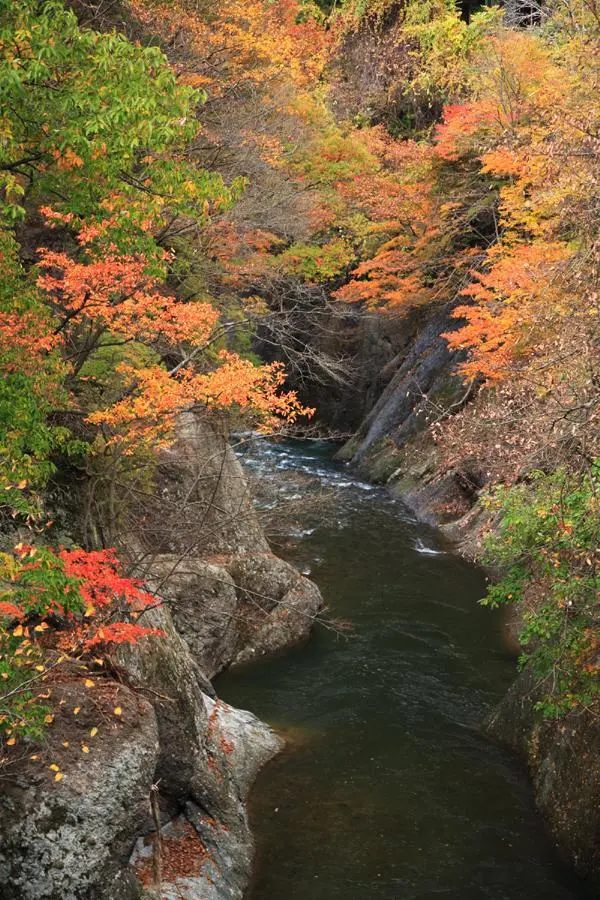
(157, 246)
(547, 542)
(55, 608)
(492, 218)
(79, 108)
(32, 372)
(97, 169)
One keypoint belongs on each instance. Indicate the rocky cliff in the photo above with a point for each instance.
(394, 446)
(563, 760)
(151, 744)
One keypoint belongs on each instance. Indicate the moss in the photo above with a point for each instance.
(349, 450)
(382, 460)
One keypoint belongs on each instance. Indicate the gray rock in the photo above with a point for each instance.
(245, 606)
(71, 839)
(237, 745)
(279, 606)
(200, 503)
(203, 604)
(165, 669)
(563, 757)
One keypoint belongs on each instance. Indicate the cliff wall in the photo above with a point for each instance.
(151, 744)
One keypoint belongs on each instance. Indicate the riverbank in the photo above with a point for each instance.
(559, 753)
(388, 786)
(145, 742)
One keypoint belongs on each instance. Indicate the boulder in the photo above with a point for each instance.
(210, 754)
(278, 606)
(71, 839)
(245, 605)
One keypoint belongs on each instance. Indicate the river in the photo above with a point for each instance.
(388, 790)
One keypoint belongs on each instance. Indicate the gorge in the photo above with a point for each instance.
(299, 415)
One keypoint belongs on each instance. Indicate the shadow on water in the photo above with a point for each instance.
(387, 789)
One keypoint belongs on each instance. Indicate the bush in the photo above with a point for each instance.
(547, 544)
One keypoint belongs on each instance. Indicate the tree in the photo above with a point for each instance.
(96, 157)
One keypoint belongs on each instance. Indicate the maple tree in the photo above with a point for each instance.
(97, 159)
(56, 608)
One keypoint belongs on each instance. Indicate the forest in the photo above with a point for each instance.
(207, 205)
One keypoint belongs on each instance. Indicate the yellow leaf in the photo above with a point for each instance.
(22, 484)
(89, 612)
(85, 748)
(18, 631)
(34, 756)
(48, 719)
(43, 626)
(89, 683)
(39, 668)
(58, 776)
(65, 743)
(54, 767)
(76, 710)
(11, 742)
(118, 711)
(93, 732)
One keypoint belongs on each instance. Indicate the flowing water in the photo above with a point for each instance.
(387, 791)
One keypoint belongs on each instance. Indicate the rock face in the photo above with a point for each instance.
(209, 757)
(231, 599)
(72, 839)
(419, 383)
(224, 598)
(425, 376)
(201, 504)
(564, 761)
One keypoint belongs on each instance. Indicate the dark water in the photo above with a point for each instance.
(387, 791)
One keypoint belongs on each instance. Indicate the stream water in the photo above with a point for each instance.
(388, 790)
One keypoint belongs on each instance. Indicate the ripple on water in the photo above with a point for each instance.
(388, 790)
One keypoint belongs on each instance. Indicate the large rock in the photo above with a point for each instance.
(164, 668)
(563, 756)
(202, 547)
(204, 606)
(244, 606)
(424, 379)
(71, 839)
(201, 504)
(239, 745)
(209, 756)
(280, 605)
